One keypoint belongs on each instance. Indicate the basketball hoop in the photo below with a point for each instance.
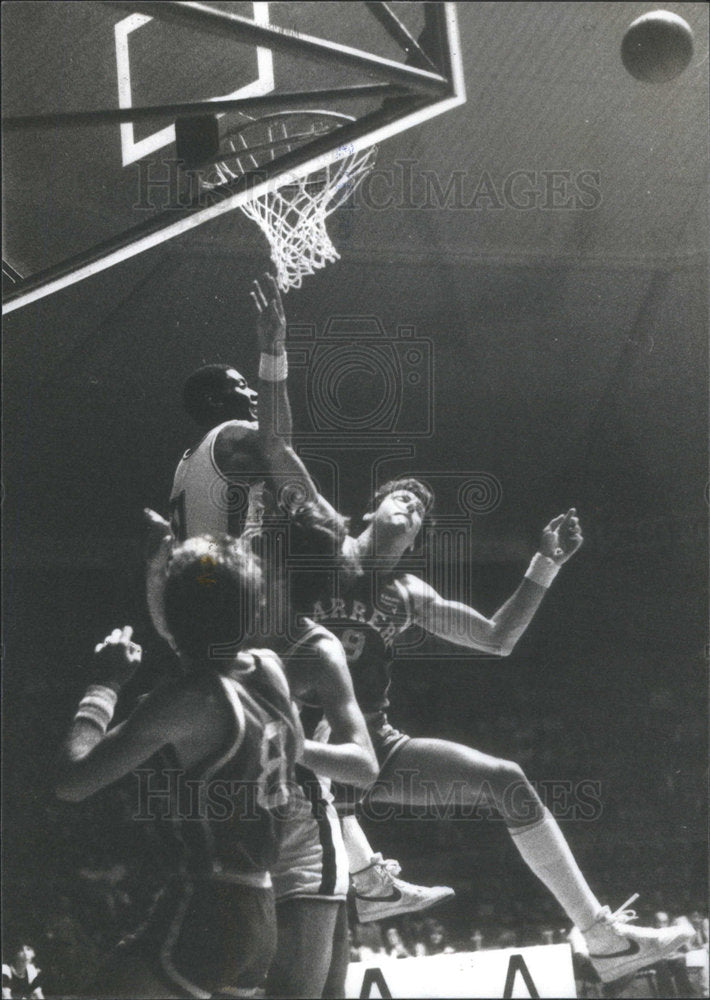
(293, 217)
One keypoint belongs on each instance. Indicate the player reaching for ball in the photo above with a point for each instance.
(219, 486)
(376, 602)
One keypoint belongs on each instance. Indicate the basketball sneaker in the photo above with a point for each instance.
(379, 894)
(617, 950)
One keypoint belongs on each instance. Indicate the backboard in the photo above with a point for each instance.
(92, 93)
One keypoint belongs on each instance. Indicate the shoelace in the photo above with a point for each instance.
(391, 866)
(623, 915)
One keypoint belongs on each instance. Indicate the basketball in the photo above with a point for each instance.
(657, 47)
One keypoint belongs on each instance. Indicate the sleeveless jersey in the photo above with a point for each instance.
(369, 612)
(204, 500)
(21, 985)
(225, 816)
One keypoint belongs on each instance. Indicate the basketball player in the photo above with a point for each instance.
(381, 894)
(374, 604)
(219, 486)
(228, 734)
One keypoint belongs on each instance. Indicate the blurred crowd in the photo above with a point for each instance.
(684, 975)
(81, 928)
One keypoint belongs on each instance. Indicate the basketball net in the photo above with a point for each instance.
(293, 217)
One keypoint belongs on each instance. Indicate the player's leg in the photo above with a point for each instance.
(311, 883)
(227, 938)
(379, 894)
(306, 931)
(335, 983)
(438, 774)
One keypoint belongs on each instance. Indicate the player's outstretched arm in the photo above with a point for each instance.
(274, 407)
(92, 757)
(291, 478)
(349, 756)
(464, 625)
(158, 545)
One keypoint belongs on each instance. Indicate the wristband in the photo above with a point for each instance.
(273, 367)
(97, 706)
(542, 570)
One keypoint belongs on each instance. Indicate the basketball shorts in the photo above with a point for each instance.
(312, 861)
(386, 741)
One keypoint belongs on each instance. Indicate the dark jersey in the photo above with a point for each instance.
(225, 816)
(21, 984)
(371, 609)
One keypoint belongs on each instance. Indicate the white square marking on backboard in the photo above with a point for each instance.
(132, 150)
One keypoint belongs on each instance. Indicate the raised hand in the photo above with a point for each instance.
(155, 530)
(271, 318)
(562, 537)
(117, 658)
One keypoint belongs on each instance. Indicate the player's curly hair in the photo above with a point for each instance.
(419, 489)
(212, 595)
(315, 541)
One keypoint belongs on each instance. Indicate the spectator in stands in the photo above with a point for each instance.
(394, 945)
(413, 934)
(435, 938)
(72, 950)
(20, 977)
(695, 954)
(700, 926)
(507, 938)
(476, 939)
(672, 974)
(366, 942)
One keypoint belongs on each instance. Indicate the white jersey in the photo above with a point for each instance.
(204, 500)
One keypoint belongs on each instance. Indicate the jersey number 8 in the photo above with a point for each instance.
(272, 788)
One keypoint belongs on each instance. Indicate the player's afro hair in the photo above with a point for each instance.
(208, 387)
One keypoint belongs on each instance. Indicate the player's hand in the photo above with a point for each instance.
(562, 537)
(117, 658)
(156, 530)
(271, 318)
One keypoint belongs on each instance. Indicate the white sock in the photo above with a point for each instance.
(546, 852)
(356, 844)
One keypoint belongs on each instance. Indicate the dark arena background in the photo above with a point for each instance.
(535, 262)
